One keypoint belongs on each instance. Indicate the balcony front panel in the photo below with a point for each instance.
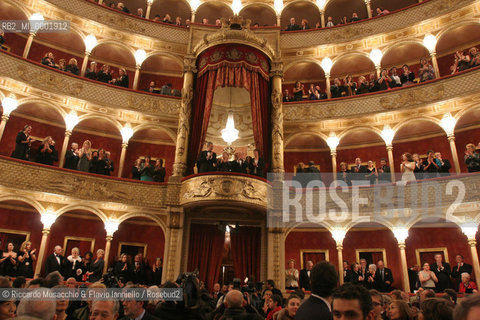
(57, 82)
(451, 87)
(31, 177)
(377, 26)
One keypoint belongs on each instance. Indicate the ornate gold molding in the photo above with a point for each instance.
(233, 188)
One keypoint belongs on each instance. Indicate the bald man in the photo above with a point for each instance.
(234, 307)
(41, 310)
(55, 261)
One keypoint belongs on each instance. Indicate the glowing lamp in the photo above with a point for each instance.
(401, 234)
(111, 226)
(194, 4)
(333, 142)
(150, 2)
(140, 56)
(48, 218)
(387, 135)
(448, 124)
(470, 231)
(321, 4)
(9, 104)
(327, 65)
(230, 134)
(338, 235)
(376, 56)
(71, 120)
(430, 42)
(127, 133)
(90, 42)
(278, 6)
(236, 6)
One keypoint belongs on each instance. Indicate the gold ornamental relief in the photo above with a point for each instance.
(48, 80)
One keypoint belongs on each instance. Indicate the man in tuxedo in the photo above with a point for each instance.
(71, 157)
(55, 261)
(358, 171)
(305, 276)
(413, 278)
(444, 165)
(134, 310)
(324, 280)
(442, 271)
(238, 164)
(384, 171)
(208, 159)
(383, 277)
(460, 268)
(108, 164)
(139, 272)
(292, 26)
(430, 166)
(258, 165)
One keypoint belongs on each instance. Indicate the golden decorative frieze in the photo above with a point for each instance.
(378, 26)
(18, 175)
(402, 99)
(120, 21)
(223, 187)
(59, 83)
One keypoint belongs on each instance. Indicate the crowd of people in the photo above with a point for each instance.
(327, 300)
(147, 170)
(208, 162)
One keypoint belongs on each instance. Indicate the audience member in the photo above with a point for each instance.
(146, 169)
(472, 158)
(55, 261)
(466, 285)
(459, 269)
(442, 271)
(37, 309)
(399, 310)
(436, 309)
(468, 308)
(207, 160)
(426, 71)
(105, 310)
(351, 302)
(22, 143)
(72, 67)
(383, 277)
(292, 26)
(408, 77)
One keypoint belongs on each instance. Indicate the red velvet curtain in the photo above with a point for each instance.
(205, 252)
(377, 256)
(225, 72)
(245, 244)
(315, 257)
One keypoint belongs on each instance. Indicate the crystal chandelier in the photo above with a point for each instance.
(230, 134)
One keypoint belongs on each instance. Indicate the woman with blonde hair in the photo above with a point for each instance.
(96, 268)
(74, 260)
(72, 66)
(85, 156)
(472, 158)
(291, 276)
(399, 310)
(46, 152)
(26, 256)
(406, 167)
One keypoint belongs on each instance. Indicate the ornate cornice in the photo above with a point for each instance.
(59, 83)
(396, 100)
(377, 26)
(19, 175)
(207, 188)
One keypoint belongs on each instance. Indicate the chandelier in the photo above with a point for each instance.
(230, 134)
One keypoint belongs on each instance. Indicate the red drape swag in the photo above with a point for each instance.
(246, 243)
(205, 252)
(315, 257)
(231, 66)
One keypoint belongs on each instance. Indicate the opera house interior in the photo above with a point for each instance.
(292, 150)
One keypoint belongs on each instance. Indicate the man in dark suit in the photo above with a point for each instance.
(134, 310)
(444, 165)
(358, 171)
(383, 277)
(208, 159)
(305, 276)
(384, 171)
(257, 164)
(55, 261)
(460, 268)
(313, 172)
(442, 271)
(324, 280)
(238, 164)
(139, 270)
(413, 278)
(292, 26)
(71, 157)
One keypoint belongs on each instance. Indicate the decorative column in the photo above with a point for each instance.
(127, 133)
(322, 18)
(376, 56)
(90, 43)
(338, 235)
(9, 104)
(401, 234)
(387, 135)
(333, 143)
(276, 73)
(48, 219)
(149, 8)
(110, 227)
(327, 64)
(369, 8)
(430, 42)
(184, 118)
(28, 45)
(448, 124)
(470, 231)
(136, 77)
(278, 6)
(34, 18)
(174, 245)
(66, 140)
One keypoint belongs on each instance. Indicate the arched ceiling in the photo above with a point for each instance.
(306, 141)
(337, 9)
(300, 10)
(164, 64)
(397, 56)
(9, 12)
(213, 10)
(175, 8)
(68, 40)
(260, 14)
(360, 136)
(417, 128)
(352, 64)
(152, 135)
(40, 111)
(98, 125)
(459, 37)
(305, 71)
(113, 53)
(469, 118)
